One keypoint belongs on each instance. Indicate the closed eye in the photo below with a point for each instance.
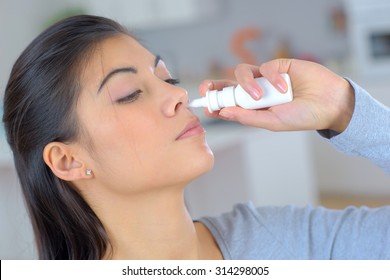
(130, 98)
(135, 95)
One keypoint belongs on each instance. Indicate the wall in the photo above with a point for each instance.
(21, 21)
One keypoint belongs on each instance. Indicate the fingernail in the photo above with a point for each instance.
(226, 114)
(281, 87)
(254, 92)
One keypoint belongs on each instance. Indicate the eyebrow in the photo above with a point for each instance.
(114, 72)
(124, 70)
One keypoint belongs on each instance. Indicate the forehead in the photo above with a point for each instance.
(121, 49)
(115, 52)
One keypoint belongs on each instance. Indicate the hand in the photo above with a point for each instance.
(322, 99)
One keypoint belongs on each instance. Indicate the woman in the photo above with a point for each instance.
(104, 145)
(80, 106)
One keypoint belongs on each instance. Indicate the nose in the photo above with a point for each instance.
(175, 99)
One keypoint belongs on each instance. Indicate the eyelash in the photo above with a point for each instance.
(130, 98)
(172, 81)
(134, 96)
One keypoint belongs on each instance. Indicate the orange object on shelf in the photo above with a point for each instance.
(238, 42)
(238, 47)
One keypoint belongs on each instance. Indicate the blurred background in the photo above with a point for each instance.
(201, 39)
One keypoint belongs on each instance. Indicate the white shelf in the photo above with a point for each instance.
(146, 14)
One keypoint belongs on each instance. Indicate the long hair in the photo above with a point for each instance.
(39, 107)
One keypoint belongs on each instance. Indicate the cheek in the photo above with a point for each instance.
(126, 149)
(135, 152)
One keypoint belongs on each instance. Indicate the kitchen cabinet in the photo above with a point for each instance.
(146, 14)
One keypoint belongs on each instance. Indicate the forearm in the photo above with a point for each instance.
(368, 131)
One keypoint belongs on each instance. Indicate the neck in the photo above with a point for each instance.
(153, 225)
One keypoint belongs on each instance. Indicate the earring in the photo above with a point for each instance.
(88, 172)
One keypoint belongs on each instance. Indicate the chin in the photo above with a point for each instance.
(201, 165)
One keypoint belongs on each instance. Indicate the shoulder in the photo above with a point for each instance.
(247, 233)
(291, 232)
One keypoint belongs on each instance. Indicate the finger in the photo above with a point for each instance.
(256, 118)
(211, 115)
(245, 75)
(204, 87)
(271, 71)
(207, 85)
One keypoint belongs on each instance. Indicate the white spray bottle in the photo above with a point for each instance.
(236, 96)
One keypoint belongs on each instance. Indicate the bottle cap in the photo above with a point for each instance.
(212, 98)
(216, 99)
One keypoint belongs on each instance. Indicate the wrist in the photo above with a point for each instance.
(346, 108)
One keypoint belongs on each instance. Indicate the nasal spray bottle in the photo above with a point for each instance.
(236, 96)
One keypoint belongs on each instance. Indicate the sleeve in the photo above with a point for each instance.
(320, 233)
(368, 133)
(305, 233)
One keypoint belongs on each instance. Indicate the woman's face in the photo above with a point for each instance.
(142, 134)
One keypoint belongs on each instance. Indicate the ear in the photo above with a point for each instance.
(63, 162)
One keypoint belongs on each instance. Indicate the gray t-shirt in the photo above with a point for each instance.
(316, 232)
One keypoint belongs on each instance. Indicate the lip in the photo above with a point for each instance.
(193, 128)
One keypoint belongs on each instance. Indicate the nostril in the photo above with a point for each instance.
(178, 105)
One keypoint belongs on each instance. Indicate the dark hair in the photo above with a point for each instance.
(39, 108)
